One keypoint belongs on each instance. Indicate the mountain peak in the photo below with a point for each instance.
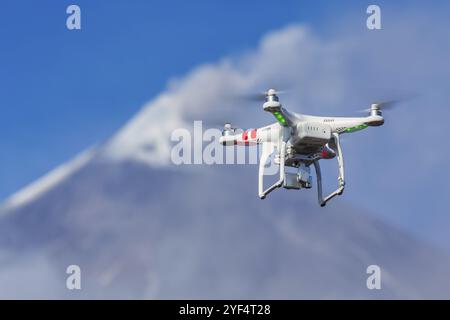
(47, 182)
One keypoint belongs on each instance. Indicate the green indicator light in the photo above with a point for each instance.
(279, 117)
(356, 128)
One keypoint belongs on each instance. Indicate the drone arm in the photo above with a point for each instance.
(246, 138)
(341, 178)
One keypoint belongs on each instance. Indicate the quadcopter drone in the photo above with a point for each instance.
(298, 141)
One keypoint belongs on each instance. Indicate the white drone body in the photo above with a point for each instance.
(300, 141)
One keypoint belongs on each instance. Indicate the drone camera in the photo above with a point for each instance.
(304, 176)
(301, 179)
(291, 181)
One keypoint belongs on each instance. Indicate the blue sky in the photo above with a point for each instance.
(62, 91)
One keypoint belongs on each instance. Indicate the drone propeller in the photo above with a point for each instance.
(228, 126)
(382, 105)
(260, 96)
(390, 104)
(222, 126)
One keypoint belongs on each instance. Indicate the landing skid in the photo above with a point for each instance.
(341, 179)
(282, 163)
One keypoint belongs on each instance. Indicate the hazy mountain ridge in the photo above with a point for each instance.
(198, 232)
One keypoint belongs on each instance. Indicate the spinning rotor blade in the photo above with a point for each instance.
(260, 96)
(255, 97)
(388, 104)
(221, 125)
(382, 105)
